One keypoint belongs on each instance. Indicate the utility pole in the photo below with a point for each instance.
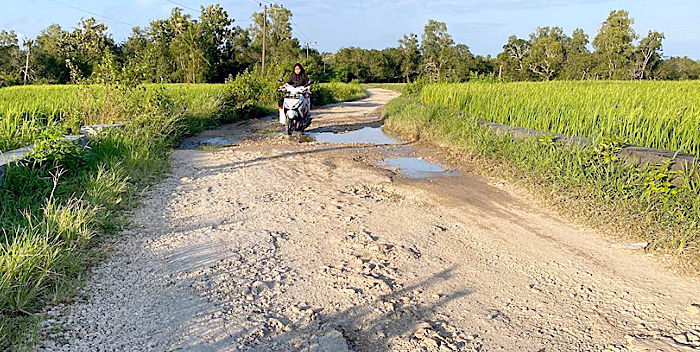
(307, 49)
(264, 35)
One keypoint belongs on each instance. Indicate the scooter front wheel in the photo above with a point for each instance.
(289, 127)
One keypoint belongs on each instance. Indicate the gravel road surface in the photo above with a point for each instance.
(277, 243)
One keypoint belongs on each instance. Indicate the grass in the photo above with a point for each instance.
(589, 183)
(53, 204)
(663, 115)
(56, 203)
(329, 93)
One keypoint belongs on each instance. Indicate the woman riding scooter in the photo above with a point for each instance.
(298, 78)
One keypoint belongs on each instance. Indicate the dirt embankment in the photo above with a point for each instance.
(288, 244)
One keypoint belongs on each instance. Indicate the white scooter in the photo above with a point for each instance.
(295, 114)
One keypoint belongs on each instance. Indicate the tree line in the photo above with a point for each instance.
(211, 48)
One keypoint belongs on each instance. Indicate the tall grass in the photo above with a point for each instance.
(330, 93)
(663, 115)
(639, 202)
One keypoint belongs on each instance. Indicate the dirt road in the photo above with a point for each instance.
(291, 244)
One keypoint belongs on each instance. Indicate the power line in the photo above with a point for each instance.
(92, 13)
(179, 4)
(261, 3)
(191, 9)
(299, 30)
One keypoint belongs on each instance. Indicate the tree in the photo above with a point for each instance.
(215, 33)
(281, 47)
(85, 46)
(678, 68)
(483, 65)
(410, 56)
(546, 55)
(349, 64)
(210, 48)
(614, 46)
(10, 58)
(512, 61)
(461, 64)
(189, 52)
(185, 47)
(647, 55)
(157, 58)
(436, 48)
(579, 61)
(49, 58)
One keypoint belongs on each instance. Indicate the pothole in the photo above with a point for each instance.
(415, 168)
(205, 143)
(368, 135)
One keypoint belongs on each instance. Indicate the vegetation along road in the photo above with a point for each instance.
(340, 241)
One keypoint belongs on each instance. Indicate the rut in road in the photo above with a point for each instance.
(288, 244)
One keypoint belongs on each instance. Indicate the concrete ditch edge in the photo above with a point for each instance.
(638, 155)
(17, 155)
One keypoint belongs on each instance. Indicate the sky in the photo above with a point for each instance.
(483, 25)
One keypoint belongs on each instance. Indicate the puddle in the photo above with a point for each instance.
(217, 142)
(369, 135)
(416, 167)
(211, 142)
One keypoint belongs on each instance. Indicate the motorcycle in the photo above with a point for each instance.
(295, 114)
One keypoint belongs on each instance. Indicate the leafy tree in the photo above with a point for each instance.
(156, 58)
(483, 65)
(546, 55)
(210, 48)
(86, 45)
(410, 57)
(282, 49)
(9, 58)
(48, 59)
(436, 47)
(183, 49)
(512, 61)
(579, 61)
(614, 46)
(678, 68)
(387, 65)
(647, 55)
(215, 33)
(349, 65)
(461, 64)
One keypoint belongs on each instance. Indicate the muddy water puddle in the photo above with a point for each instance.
(368, 135)
(207, 142)
(415, 168)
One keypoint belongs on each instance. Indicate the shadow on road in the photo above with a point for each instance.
(362, 328)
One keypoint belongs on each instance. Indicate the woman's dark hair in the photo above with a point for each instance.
(300, 79)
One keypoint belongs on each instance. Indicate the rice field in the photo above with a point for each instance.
(28, 113)
(663, 115)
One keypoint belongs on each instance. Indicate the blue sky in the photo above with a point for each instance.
(484, 25)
